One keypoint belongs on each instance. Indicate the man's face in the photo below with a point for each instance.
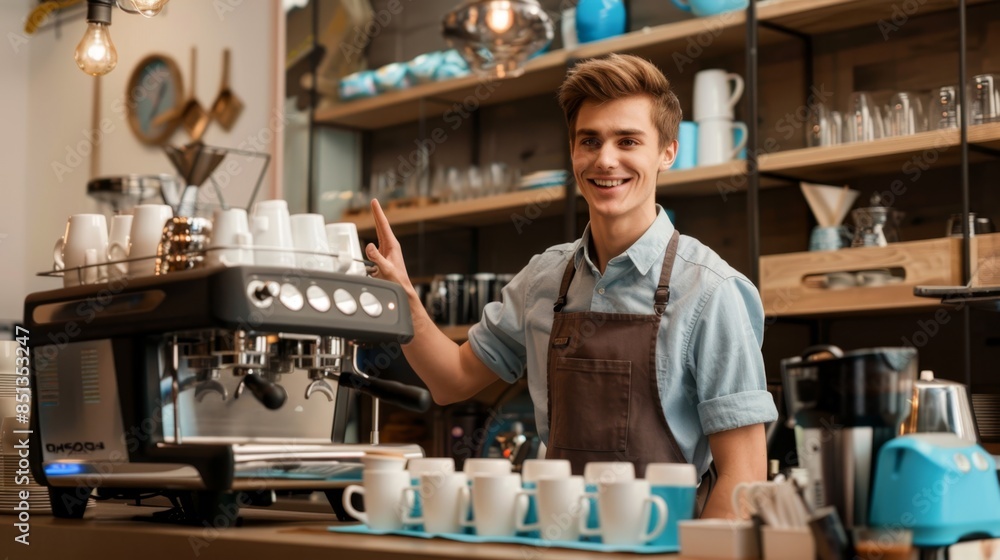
(616, 156)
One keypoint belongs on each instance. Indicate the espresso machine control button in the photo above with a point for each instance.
(371, 304)
(962, 462)
(318, 299)
(344, 301)
(979, 461)
(291, 297)
(262, 294)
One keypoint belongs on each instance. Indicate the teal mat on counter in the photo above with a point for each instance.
(578, 545)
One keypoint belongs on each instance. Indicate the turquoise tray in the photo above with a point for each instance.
(578, 545)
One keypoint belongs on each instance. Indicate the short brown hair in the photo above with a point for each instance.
(616, 76)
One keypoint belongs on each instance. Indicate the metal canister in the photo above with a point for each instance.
(481, 292)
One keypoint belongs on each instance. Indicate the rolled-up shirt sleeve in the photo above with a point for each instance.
(498, 338)
(724, 353)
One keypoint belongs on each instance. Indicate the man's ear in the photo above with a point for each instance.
(668, 155)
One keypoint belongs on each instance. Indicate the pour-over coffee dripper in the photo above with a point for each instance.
(195, 163)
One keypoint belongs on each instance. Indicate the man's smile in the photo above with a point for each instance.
(609, 182)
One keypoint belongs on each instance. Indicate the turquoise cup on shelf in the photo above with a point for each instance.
(600, 19)
(738, 138)
(702, 8)
(687, 146)
(677, 484)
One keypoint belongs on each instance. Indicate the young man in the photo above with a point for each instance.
(639, 344)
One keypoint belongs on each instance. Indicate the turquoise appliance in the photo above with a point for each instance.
(940, 486)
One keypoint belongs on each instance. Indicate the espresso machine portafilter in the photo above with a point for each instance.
(212, 383)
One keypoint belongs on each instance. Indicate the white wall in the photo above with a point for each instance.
(51, 115)
(13, 155)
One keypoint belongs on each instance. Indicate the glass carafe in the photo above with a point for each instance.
(876, 226)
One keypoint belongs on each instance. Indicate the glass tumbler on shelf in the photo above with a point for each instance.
(984, 99)
(944, 108)
(863, 118)
(905, 114)
(824, 127)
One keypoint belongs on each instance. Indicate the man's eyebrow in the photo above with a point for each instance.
(620, 132)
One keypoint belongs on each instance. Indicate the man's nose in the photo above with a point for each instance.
(607, 157)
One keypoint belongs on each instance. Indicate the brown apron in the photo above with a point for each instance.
(604, 402)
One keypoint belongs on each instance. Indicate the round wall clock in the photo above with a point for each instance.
(154, 99)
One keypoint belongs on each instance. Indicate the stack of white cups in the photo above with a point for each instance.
(384, 480)
(716, 93)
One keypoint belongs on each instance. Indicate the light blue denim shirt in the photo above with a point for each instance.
(708, 362)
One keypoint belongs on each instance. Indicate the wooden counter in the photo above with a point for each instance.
(109, 531)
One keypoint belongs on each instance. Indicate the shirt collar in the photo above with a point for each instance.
(644, 253)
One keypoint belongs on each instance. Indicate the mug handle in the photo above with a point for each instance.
(743, 139)
(351, 490)
(661, 521)
(409, 497)
(57, 254)
(585, 515)
(465, 508)
(118, 252)
(682, 4)
(737, 88)
(521, 501)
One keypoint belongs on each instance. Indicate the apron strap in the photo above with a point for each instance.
(564, 287)
(662, 294)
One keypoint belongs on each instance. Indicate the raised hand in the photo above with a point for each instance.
(388, 256)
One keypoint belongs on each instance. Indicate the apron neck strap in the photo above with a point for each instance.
(662, 294)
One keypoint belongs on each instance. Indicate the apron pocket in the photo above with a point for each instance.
(590, 404)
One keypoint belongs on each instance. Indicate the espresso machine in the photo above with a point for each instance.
(845, 407)
(213, 386)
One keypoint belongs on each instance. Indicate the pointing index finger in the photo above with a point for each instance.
(382, 228)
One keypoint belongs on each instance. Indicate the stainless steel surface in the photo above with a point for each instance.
(183, 244)
(124, 192)
(940, 405)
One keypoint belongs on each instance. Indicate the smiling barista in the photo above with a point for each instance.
(640, 344)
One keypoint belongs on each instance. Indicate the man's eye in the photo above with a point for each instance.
(589, 142)
(629, 142)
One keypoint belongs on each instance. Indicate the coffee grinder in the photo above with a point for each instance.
(846, 406)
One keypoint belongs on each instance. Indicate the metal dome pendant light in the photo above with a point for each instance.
(496, 37)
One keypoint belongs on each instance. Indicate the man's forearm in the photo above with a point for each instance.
(438, 360)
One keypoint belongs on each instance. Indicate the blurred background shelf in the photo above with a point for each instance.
(458, 333)
(815, 17)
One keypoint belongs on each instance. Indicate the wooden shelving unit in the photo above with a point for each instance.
(824, 16)
(531, 204)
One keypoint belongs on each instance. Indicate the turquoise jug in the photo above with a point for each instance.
(703, 8)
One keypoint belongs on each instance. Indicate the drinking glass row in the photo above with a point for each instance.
(608, 503)
(903, 113)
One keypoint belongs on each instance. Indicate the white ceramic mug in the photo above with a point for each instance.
(624, 511)
(272, 234)
(118, 236)
(493, 498)
(232, 242)
(476, 466)
(440, 497)
(599, 472)
(384, 498)
(559, 508)
(715, 140)
(309, 238)
(426, 465)
(147, 229)
(534, 469)
(83, 232)
(380, 462)
(343, 240)
(716, 92)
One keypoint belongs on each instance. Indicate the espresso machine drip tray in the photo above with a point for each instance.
(211, 383)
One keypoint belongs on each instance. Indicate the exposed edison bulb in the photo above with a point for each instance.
(96, 54)
(149, 8)
(500, 17)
